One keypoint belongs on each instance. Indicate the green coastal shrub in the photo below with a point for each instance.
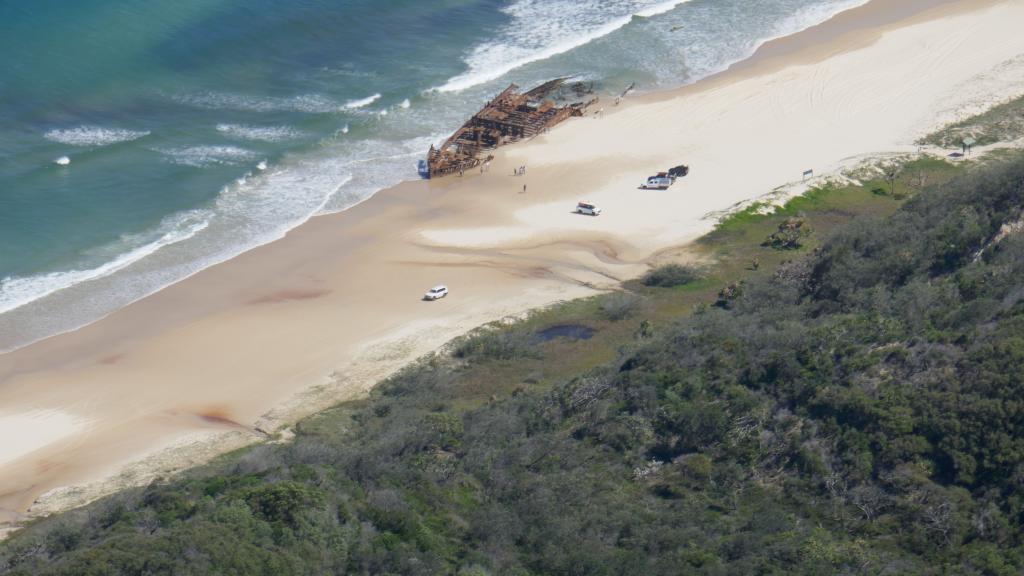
(495, 345)
(670, 275)
(282, 502)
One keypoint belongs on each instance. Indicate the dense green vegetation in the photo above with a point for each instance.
(855, 408)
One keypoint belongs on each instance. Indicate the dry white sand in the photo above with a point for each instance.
(322, 314)
(27, 432)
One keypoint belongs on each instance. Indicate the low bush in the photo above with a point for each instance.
(619, 306)
(670, 275)
(495, 344)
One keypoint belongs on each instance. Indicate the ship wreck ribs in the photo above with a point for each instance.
(508, 117)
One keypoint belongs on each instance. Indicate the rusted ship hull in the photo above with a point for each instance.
(509, 117)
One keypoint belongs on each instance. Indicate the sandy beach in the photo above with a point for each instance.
(242, 349)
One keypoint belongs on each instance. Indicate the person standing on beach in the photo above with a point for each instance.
(524, 188)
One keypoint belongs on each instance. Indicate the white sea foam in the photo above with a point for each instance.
(16, 292)
(541, 29)
(800, 20)
(308, 103)
(93, 135)
(260, 133)
(378, 164)
(62, 161)
(362, 102)
(810, 16)
(406, 104)
(202, 156)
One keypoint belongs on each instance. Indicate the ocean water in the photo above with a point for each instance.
(141, 142)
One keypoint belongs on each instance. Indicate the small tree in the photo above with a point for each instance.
(892, 172)
(646, 329)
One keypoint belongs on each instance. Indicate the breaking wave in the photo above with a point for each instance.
(362, 102)
(541, 29)
(16, 292)
(93, 135)
(259, 133)
(308, 103)
(202, 156)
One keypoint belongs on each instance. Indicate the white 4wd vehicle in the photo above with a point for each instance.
(436, 293)
(588, 209)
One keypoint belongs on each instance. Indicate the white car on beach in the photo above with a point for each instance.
(657, 183)
(436, 293)
(588, 209)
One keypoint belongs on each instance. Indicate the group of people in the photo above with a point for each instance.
(484, 167)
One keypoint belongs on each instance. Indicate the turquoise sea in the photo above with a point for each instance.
(143, 141)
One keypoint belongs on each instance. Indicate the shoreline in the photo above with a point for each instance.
(201, 344)
(18, 315)
(50, 304)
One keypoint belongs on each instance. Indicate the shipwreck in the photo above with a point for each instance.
(509, 117)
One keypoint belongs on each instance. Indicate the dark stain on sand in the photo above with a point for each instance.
(219, 417)
(290, 296)
(112, 359)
